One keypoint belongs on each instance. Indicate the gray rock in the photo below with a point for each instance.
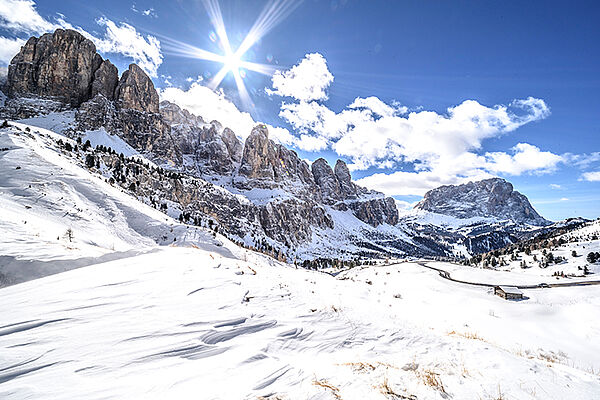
(135, 91)
(347, 187)
(59, 65)
(105, 81)
(233, 145)
(487, 198)
(258, 157)
(326, 180)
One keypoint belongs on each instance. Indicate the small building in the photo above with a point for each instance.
(508, 292)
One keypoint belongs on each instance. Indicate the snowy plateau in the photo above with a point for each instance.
(106, 297)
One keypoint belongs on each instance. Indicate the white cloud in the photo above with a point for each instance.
(405, 205)
(377, 107)
(526, 158)
(555, 186)
(125, 39)
(592, 176)
(9, 48)
(213, 105)
(442, 148)
(306, 81)
(21, 18)
(564, 199)
(148, 13)
(402, 183)
(583, 160)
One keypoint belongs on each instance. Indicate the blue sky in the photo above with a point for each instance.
(411, 94)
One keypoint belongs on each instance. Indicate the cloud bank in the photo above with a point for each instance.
(434, 148)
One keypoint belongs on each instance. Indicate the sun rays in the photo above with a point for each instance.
(233, 60)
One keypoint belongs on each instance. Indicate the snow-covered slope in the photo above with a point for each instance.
(44, 194)
(558, 259)
(188, 323)
(202, 318)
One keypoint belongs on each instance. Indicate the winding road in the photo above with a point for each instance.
(446, 275)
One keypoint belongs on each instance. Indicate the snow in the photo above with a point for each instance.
(43, 194)
(101, 137)
(430, 218)
(54, 121)
(571, 267)
(199, 317)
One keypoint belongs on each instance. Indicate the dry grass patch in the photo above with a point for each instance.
(360, 366)
(385, 389)
(431, 379)
(467, 335)
(328, 386)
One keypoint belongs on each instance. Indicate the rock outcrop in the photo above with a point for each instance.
(59, 65)
(135, 91)
(105, 80)
(347, 188)
(493, 198)
(326, 180)
(268, 165)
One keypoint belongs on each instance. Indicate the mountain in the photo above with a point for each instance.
(489, 198)
(258, 192)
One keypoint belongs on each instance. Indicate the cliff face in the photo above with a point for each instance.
(60, 66)
(487, 198)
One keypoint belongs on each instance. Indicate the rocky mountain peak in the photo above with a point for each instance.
(347, 187)
(326, 179)
(259, 155)
(59, 65)
(493, 198)
(136, 91)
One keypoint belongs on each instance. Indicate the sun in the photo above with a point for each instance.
(232, 62)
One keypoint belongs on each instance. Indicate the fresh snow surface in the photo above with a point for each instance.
(101, 137)
(202, 318)
(43, 194)
(188, 323)
(571, 266)
(55, 121)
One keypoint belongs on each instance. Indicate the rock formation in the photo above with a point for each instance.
(105, 80)
(494, 198)
(62, 70)
(59, 65)
(135, 91)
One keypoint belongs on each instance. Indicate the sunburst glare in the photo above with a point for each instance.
(274, 13)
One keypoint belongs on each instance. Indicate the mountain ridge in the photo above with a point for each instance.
(286, 202)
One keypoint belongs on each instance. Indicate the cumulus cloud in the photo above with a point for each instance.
(555, 186)
(21, 18)
(213, 105)
(525, 157)
(306, 81)
(592, 176)
(9, 48)
(125, 39)
(439, 148)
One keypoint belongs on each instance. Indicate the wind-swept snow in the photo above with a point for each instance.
(202, 318)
